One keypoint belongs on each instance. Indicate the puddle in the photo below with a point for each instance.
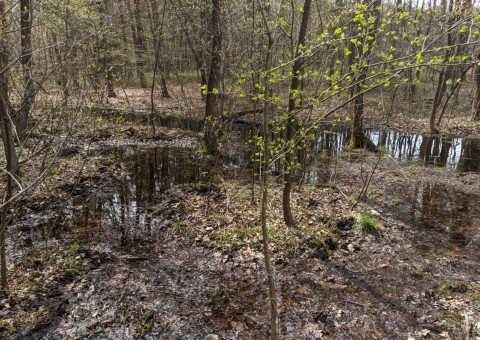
(445, 217)
(455, 153)
(458, 153)
(127, 206)
(144, 175)
(451, 152)
(137, 203)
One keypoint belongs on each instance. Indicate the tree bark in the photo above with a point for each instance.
(292, 121)
(476, 100)
(211, 102)
(358, 139)
(138, 40)
(21, 119)
(8, 145)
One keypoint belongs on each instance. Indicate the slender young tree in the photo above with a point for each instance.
(211, 102)
(28, 98)
(363, 47)
(270, 35)
(8, 144)
(158, 36)
(157, 30)
(292, 121)
(106, 48)
(138, 40)
(476, 99)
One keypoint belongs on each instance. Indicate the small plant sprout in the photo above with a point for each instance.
(178, 227)
(368, 223)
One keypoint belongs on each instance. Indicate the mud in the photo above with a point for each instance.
(141, 272)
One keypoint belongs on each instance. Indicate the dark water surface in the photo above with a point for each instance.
(141, 183)
(458, 153)
(137, 202)
(445, 217)
(132, 203)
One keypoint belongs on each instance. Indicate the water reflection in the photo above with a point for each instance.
(330, 141)
(445, 151)
(470, 156)
(451, 152)
(445, 213)
(145, 175)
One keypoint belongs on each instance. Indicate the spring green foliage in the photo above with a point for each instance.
(79, 34)
(368, 223)
(449, 289)
(178, 227)
(401, 44)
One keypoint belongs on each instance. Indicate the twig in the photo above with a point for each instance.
(366, 182)
(356, 303)
(467, 326)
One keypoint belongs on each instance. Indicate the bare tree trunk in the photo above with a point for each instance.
(476, 99)
(21, 119)
(163, 84)
(292, 122)
(358, 139)
(157, 33)
(266, 164)
(8, 145)
(158, 45)
(138, 40)
(445, 74)
(358, 109)
(106, 47)
(441, 87)
(211, 105)
(110, 85)
(127, 70)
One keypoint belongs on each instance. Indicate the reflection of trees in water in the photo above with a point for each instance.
(470, 156)
(124, 209)
(165, 170)
(445, 211)
(319, 156)
(435, 151)
(431, 150)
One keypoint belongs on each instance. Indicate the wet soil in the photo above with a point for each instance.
(163, 243)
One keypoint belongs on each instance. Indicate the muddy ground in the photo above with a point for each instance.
(182, 260)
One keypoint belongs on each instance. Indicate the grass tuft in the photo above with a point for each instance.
(368, 223)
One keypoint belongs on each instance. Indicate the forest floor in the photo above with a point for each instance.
(403, 115)
(185, 260)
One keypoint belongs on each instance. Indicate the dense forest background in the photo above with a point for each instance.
(282, 68)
